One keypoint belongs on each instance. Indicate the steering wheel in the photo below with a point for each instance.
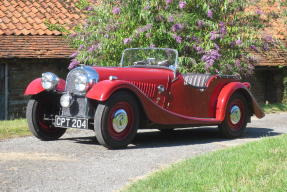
(139, 63)
(163, 63)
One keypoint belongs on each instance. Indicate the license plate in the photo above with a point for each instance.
(71, 122)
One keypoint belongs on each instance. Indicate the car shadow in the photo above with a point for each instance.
(193, 136)
(178, 137)
(89, 140)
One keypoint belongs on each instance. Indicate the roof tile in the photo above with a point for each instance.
(3, 26)
(25, 14)
(276, 26)
(3, 8)
(6, 3)
(17, 14)
(22, 20)
(2, 14)
(5, 20)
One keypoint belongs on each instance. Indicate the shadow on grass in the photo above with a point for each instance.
(179, 137)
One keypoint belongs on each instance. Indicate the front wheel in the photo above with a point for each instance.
(42, 129)
(236, 117)
(117, 120)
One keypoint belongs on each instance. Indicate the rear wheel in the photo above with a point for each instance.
(42, 129)
(117, 120)
(236, 117)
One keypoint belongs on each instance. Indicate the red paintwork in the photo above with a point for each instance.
(61, 85)
(190, 101)
(226, 93)
(247, 85)
(157, 114)
(35, 87)
(179, 104)
(211, 79)
(146, 79)
(104, 89)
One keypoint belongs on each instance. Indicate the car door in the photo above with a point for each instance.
(189, 101)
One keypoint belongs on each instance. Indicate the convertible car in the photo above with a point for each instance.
(146, 91)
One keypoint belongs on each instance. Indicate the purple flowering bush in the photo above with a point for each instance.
(211, 36)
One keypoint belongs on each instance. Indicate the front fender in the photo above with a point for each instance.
(225, 94)
(104, 89)
(35, 87)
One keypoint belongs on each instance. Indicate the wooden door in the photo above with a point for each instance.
(2, 91)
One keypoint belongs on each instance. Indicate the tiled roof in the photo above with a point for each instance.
(273, 57)
(274, 15)
(269, 12)
(28, 17)
(35, 46)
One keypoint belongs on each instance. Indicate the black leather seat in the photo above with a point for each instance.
(196, 80)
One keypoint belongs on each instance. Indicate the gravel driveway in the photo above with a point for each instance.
(78, 163)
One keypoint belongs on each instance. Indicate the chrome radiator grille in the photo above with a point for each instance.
(70, 81)
(79, 108)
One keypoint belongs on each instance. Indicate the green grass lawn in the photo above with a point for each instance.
(253, 167)
(13, 128)
(274, 108)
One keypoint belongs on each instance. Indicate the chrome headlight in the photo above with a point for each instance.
(80, 79)
(49, 81)
(81, 82)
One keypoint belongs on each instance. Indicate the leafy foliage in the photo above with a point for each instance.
(217, 34)
(56, 27)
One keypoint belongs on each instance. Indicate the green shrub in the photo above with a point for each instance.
(217, 34)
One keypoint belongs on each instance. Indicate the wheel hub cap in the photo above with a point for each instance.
(235, 114)
(120, 120)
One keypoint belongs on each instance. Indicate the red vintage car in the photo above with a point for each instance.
(147, 91)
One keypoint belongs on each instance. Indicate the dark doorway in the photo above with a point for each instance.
(2, 91)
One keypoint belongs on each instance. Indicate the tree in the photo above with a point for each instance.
(212, 36)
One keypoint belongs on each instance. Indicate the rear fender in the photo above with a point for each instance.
(35, 87)
(227, 91)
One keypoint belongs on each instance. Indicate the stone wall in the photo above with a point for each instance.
(23, 71)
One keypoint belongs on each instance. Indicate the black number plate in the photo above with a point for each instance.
(71, 122)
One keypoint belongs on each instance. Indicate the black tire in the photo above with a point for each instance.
(236, 128)
(40, 128)
(107, 135)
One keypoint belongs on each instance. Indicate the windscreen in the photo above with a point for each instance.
(150, 57)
